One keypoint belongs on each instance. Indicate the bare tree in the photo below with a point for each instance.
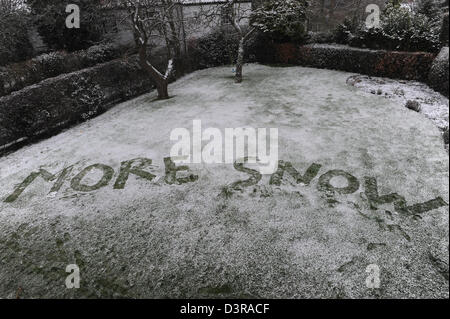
(235, 19)
(237, 15)
(163, 18)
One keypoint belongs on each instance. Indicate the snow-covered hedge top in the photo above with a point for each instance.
(18, 75)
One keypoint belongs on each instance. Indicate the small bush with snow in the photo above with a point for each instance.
(413, 105)
(215, 49)
(282, 20)
(438, 76)
(14, 42)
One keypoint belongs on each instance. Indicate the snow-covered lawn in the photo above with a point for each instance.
(432, 104)
(151, 239)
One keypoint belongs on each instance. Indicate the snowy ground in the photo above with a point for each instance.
(433, 104)
(152, 239)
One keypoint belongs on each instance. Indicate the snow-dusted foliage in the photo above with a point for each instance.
(402, 28)
(220, 47)
(429, 8)
(49, 17)
(410, 30)
(283, 19)
(438, 76)
(14, 43)
(217, 48)
(19, 75)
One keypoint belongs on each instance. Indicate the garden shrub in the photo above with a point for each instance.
(346, 30)
(401, 29)
(282, 20)
(50, 15)
(320, 37)
(260, 48)
(409, 30)
(429, 8)
(217, 48)
(438, 77)
(14, 42)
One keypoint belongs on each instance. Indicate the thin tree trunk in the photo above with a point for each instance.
(174, 41)
(241, 52)
(163, 90)
(242, 40)
(240, 61)
(161, 81)
(141, 39)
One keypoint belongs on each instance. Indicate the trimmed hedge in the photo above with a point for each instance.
(56, 103)
(19, 75)
(391, 64)
(438, 77)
